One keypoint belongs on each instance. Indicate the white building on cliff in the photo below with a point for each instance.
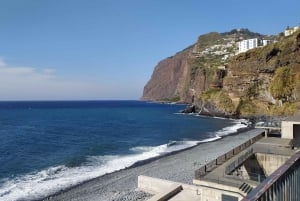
(290, 31)
(249, 44)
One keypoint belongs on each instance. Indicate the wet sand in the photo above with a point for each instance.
(180, 167)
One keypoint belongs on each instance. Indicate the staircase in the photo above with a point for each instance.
(246, 188)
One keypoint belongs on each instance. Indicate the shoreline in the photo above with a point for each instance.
(59, 179)
(121, 184)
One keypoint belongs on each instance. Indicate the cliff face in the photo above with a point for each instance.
(265, 81)
(180, 77)
(168, 78)
(262, 81)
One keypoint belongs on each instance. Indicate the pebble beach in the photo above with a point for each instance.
(179, 167)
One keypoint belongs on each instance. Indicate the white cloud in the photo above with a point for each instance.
(49, 71)
(27, 83)
(2, 63)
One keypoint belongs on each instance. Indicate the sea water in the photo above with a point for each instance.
(49, 146)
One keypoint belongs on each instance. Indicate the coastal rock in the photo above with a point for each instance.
(190, 109)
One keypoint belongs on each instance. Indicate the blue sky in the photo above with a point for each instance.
(107, 49)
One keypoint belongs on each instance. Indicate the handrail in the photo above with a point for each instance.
(290, 165)
(221, 159)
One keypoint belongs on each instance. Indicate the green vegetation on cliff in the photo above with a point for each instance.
(282, 85)
(220, 99)
(261, 81)
(269, 77)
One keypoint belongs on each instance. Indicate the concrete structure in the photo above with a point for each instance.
(291, 31)
(247, 167)
(168, 190)
(281, 185)
(245, 45)
(259, 169)
(290, 128)
(208, 190)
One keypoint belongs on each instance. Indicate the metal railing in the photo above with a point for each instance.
(244, 175)
(281, 185)
(235, 164)
(221, 159)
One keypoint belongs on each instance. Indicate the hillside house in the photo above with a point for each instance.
(245, 45)
(290, 31)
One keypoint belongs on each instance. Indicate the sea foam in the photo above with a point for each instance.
(37, 185)
(239, 124)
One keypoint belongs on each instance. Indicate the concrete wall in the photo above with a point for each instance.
(213, 192)
(154, 185)
(260, 166)
(221, 159)
(206, 191)
(270, 162)
(287, 129)
(161, 188)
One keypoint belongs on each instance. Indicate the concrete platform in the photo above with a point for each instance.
(185, 195)
(276, 146)
(270, 152)
(274, 141)
(220, 179)
(229, 179)
(168, 190)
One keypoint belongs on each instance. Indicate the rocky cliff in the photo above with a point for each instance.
(168, 78)
(209, 74)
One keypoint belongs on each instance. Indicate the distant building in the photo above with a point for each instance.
(249, 44)
(246, 45)
(290, 31)
(266, 42)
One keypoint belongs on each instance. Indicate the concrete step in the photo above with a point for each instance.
(249, 190)
(246, 188)
(243, 186)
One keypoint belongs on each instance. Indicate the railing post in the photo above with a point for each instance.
(296, 184)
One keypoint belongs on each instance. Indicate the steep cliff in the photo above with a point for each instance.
(266, 80)
(261, 81)
(168, 78)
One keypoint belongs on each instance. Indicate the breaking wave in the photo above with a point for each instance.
(37, 185)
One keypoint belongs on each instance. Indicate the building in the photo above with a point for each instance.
(260, 169)
(266, 42)
(249, 44)
(246, 45)
(290, 129)
(290, 31)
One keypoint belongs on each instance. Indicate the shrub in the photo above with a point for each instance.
(218, 98)
(281, 86)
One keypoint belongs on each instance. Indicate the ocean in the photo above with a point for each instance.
(47, 146)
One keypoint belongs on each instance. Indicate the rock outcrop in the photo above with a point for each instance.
(168, 78)
(209, 74)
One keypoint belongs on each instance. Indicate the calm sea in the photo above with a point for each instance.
(49, 146)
